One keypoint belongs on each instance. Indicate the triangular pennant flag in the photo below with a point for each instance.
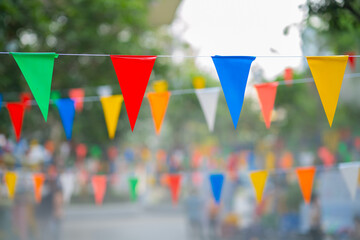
(352, 60)
(133, 73)
(328, 73)
(16, 112)
(217, 181)
(174, 181)
(306, 178)
(66, 108)
(133, 181)
(158, 104)
(37, 69)
(288, 76)
(10, 180)
(233, 72)
(99, 186)
(77, 94)
(350, 173)
(25, 98)
(258, 179)
(208, 99)
(112, 107)
(68, 185)
(266, 93)
(38, 181)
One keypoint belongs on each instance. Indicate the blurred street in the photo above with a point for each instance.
(122, 222)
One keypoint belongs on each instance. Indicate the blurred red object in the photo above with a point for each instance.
(81, 151)
(352, 60)
(288, 76)
(25, 98)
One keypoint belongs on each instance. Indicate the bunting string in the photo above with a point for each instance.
(180, 56)
(180, 91)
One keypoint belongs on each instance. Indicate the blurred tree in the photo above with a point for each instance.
(338, 21)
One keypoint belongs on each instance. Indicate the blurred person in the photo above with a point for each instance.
(214, 220)
(355, 235)
(50, 211)
(315, 231)
(230, 227)
(194, 206)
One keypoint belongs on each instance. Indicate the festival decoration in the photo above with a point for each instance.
(350, 174)
(306, 178)
(217, 181)
(112, 107)
(233, 72)
(266, 93)
(16, 112)
(158, 104)
(258, 179)
(208, 99)
(99, 186)
(66, 109)
(133, 73)
(10, 180)
(328, 73)
(37, 69)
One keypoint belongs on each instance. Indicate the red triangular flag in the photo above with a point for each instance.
(288, 76)
(99, 186)
(306, 178)
(267, 94)
(77, 95)
(174, 185)
(16, 112)
(352, 60)
(133, 73)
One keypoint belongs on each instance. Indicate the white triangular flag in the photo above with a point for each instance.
(68, 184)
(208, 99)
(350, 173)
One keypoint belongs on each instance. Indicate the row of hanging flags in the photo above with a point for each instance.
(258, 178)
(133, 73)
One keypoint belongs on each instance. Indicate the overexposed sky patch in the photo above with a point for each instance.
(242, 27)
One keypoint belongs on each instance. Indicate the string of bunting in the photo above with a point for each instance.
(133, 73)
(305, 176)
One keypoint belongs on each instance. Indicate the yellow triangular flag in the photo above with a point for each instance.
(10, 180)
(112, 107)
(258, 179)
(328, 73)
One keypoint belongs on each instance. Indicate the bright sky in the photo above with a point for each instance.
(242, 27)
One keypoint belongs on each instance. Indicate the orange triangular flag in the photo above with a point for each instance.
(99, 186)
(306, 178)
(267, 94)
(174, 185)
(38, 181)
(10, 180)
(158, 105)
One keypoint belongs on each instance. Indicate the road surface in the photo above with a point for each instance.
(129, 222)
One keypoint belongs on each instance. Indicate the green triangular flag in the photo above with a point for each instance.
(132, 184)
(37, 69)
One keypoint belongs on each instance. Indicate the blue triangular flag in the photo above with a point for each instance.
(216, 181)
(233, 72)
(66, 108)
